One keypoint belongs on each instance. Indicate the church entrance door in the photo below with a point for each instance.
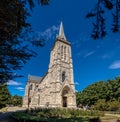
(65, 97)
(64, 101)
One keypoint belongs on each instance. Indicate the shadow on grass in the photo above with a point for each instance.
(7, 116)
(95, 120)
(79, 119)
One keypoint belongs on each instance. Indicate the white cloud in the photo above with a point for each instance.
(13, 83)
(108, 55)
(115, 65)
(89, 54)
(105, 56)
(20, 88)
(79, 54)
(76, 43)
(48, 33)
(76, 83)
(76, 90)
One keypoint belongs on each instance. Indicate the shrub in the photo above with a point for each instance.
(57, 114)
(101, 105)
(113, 106)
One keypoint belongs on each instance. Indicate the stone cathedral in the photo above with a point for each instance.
(56, 88)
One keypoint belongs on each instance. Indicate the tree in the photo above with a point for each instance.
(14, 36)
(92, 93)
(16, 100)
(7, 99)
(101, 105)
(99, 25)
(5, 96)
(113, 89)
(104, 105)
(107, 91)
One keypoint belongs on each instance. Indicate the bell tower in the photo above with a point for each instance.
(61, 70)
(56, 88)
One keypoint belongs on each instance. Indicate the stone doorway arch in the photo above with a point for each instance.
(65, 96)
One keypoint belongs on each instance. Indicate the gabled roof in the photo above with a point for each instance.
(35, 79)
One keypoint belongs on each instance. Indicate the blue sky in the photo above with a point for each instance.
(93, 60)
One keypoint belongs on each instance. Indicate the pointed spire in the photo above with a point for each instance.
(61, 31)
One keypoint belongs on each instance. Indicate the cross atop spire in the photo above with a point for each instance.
(61, 32)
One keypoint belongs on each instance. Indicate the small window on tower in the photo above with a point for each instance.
(65, 52)
(63, 76)
(31, 87)
(36, 86)
(61, 51)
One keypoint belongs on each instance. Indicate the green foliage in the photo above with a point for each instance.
(101, 105)
(16, 100)
(98, 13)
(15, 36)
(92, 93)
(58, 115)
(113, 106)
(25, 116)
(63, 113)
(5, 96)
(107, 106)
(100, 94)
(7, 99)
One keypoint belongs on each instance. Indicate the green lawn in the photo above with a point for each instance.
(62, 115)
(80, 119)
(58, 115)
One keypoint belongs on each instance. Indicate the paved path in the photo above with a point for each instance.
(116, 115)
(5, 117)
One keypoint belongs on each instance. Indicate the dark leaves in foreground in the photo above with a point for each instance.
(90, 15)
(40, 42)
(108, 4)
(99, 25)
(14, 37)
(32, 2)
(116, 18)
(45, 2)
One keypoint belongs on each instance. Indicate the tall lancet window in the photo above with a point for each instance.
(65, 53)
(63, 76)
(62, 51)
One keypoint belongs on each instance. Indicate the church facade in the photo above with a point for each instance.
(56, 88)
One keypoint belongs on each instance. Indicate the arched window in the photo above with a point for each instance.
(63, 76)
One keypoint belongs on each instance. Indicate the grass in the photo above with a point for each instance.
(26, 116)
(58, 115)
(63, 115)
(80, 119)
